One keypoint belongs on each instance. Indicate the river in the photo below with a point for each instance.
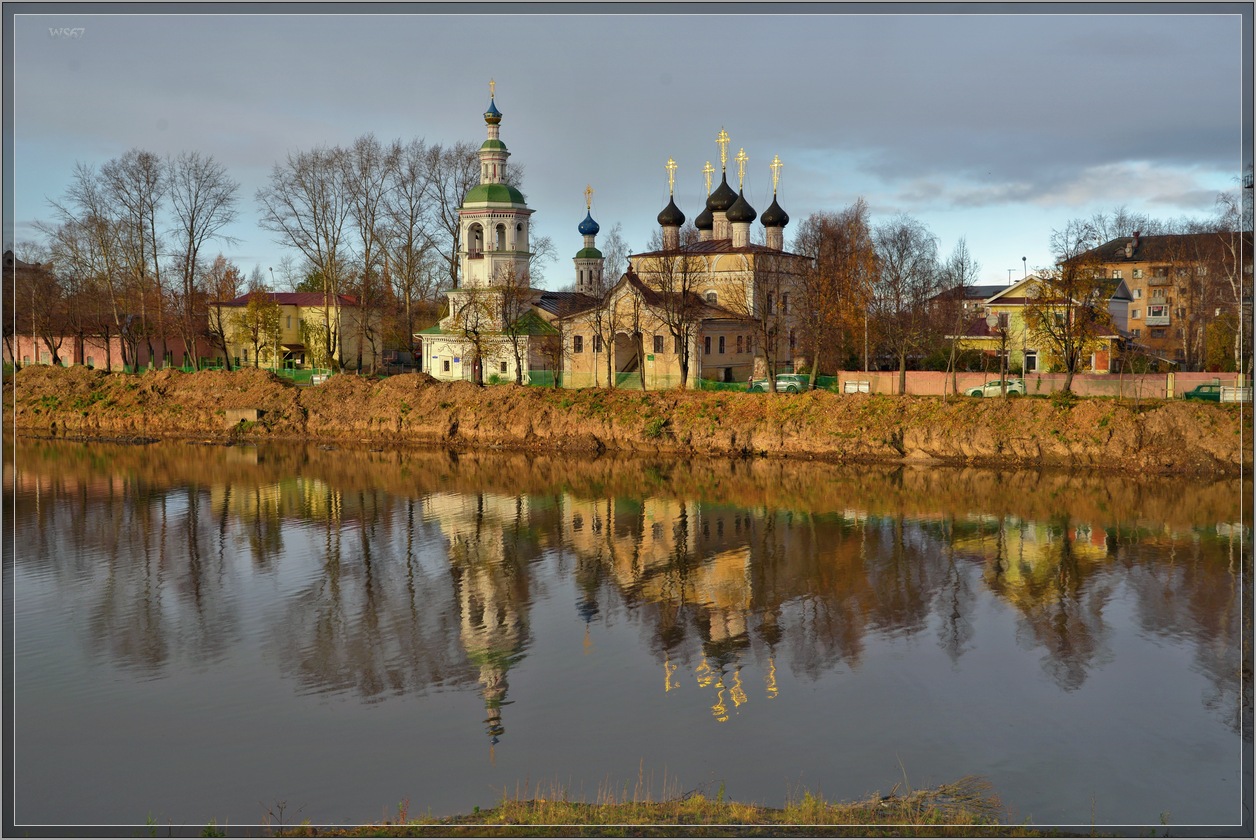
(271, 634)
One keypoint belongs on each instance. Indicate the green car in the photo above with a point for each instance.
(1211, 393)
(789, 383)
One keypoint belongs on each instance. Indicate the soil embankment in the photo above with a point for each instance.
(1163, 438)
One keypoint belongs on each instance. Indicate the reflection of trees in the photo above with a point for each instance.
(1048, 572)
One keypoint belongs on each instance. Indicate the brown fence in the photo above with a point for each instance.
(1141, 385)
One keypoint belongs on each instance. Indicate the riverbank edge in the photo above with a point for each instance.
(1143, 438)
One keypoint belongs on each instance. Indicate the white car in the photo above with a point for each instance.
(1015, 387)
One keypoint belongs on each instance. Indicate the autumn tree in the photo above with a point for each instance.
(836, 287)
(1068, 310)
(223, 282)
(907, 280)
(258, 324)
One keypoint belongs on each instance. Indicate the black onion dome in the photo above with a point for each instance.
(741, 211)
(671, 215)
(723, 197)
(774, 216)
(705, 220)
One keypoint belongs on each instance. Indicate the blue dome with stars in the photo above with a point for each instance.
(588, 227)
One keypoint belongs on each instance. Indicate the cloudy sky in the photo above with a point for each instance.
(995, 123)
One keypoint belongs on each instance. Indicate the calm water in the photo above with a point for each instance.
(207, 633)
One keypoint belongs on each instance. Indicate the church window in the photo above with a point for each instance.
(501, 238)
(792, 340)
(658, 344)
(503, 368)
(712, 297)
(676, 345)
(739, 344)
(721, 345)
(577, 344)
(771, 306)
(444, 365)
(785, 303)
(476, 243)
(706, 346)
(597, 344)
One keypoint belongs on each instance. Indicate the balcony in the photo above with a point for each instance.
(1159, 280)
(1159, 319)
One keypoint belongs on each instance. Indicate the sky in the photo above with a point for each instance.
(987, 122)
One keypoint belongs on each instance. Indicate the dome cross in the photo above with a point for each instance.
(708, 171)
(776, 171)
(721, 140)
(588, 197)
(741, 159)
(671, 176)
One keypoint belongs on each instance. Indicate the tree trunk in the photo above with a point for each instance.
(902, 373)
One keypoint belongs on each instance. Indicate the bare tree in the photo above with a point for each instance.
(367, 173)
(203, 199)
(409, 248)
(906, 281)
(306, 207)
(678, 275)
(451, 173)
(959, 273)
(136, 184)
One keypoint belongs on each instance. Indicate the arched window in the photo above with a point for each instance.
(475, 243)
(712, 297)
(501, 238)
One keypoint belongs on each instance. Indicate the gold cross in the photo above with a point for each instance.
(707, 171)
(776, 171)
(588, 197)
(671, 176)
(741, 168)
(721, 140)
(492, 89)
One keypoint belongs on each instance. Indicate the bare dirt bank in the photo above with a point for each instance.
(1163, 438)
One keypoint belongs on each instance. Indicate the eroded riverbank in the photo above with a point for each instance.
(1147, 438)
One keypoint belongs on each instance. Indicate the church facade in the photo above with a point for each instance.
(708, 305)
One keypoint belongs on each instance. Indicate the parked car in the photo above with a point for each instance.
(789, 383)
(993, 389)
(1212, 393)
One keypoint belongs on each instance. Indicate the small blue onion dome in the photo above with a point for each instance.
(774, 216)
(588, 227)
(671, 215)
(723, 197)
(492, 116)
(741, 211)
(705, 220)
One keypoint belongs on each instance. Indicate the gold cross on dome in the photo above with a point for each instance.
(741, 168)
(776, 171)
(492, 89)
(708, 170)
(588, 197)
(671, 176)
(721, 140)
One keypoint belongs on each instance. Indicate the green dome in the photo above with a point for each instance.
(498, 193)
(492, 144)
(588, 254)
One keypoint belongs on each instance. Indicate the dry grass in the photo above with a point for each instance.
(967, 808)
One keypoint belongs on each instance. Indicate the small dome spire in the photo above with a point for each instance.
(774, 216)
(492, 116)
(671, 215)
(741, 211)
(723, 197)
(705, 220)
(588, 227)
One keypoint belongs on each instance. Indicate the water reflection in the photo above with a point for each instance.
(381, 574)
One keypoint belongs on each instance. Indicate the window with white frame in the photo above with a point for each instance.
(1133, 314)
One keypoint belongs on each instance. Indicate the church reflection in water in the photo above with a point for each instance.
(394, 577)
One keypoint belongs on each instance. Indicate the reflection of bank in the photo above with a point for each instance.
(489, 544)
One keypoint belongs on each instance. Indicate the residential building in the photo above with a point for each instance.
(314, 330)
(1179, 285)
